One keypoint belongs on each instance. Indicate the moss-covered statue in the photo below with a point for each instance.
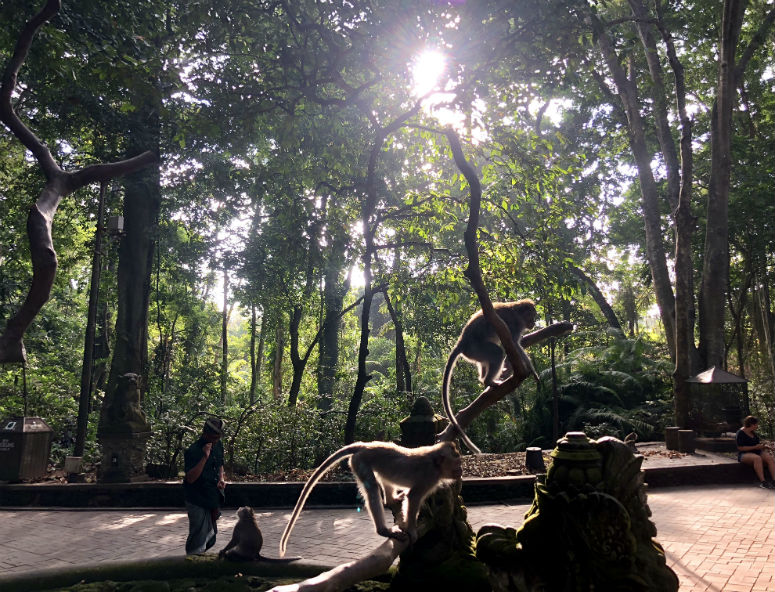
(588, 528)
(122, 412)
(443, 557)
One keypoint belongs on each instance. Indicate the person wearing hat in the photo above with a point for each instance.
(203, 486)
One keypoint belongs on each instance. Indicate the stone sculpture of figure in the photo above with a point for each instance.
(588, 528)
(123, 412)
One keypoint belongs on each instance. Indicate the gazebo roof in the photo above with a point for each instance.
(715, 375)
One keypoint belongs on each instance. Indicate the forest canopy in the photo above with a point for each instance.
(288, 251)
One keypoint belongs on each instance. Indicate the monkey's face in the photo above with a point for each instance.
(456, 469)
(530, 317)
(452, 463)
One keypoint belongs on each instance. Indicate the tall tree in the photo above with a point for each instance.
(369, 225)
(59, 184)
(335, 288)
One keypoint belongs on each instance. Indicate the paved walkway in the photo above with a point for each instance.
(717, 538)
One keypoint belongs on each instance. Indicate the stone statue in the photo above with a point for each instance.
(122, 412)
(443, 557)
(588, 528)
(123, 433)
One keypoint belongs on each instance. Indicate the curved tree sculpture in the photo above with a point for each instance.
(59, 183)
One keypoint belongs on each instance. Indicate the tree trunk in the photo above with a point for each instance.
(169, 347)
(260, 354)
(102, 342)
(253, 368)
(715, 272)
(683, 270)
(225, 338)
(740, 340)
(659, 96)
(685, 222)
(87, 368)
(599, 299)
(764, 321)
(363, 354)
(403, 372)
(555, 393)
(334, 291)
(277, 367)
(655, 249)
(297, 362)
(135, 259)
(738, 307)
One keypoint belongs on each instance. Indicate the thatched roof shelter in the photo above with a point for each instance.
(715, 375)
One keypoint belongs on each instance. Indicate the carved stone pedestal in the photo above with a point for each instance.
(123, 457)
(443, 557)
(123, 433)
(422, 425)
(588, 528)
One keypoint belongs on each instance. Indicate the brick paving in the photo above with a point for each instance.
(717, 538)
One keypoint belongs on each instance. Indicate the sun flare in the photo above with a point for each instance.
(427, 69)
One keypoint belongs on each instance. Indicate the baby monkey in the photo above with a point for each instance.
(387, 473)
(246, 540)
(479, 343)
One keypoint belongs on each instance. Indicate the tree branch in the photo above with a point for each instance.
(599, 298)
(106, 171)
(59, 184)
(473, 272)
(343, 576)
(756, 42)
(492, 395)
(7, 114)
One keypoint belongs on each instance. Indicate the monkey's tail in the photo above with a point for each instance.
(451, 361)
(337, 456)
(283, 560)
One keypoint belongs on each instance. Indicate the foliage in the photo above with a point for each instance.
(611, 388)
(268, 114)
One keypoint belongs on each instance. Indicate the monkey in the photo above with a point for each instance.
(479, 343)
(388, 473)
(246, 540)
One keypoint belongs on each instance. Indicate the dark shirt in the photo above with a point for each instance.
(743, 439)
(204, 491)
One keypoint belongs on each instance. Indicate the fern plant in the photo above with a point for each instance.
(611, 388)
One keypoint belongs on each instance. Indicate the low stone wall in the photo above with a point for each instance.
(162, 569)
(284, 495)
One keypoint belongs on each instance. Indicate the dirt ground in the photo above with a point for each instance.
(484, 465)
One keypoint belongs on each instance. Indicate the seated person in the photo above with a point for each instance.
(752, 452)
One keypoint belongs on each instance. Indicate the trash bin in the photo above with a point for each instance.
(25, 443)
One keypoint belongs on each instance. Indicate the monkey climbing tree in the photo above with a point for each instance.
(449, 514)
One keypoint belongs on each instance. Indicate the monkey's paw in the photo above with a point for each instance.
(397, 497)
(394, 533)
